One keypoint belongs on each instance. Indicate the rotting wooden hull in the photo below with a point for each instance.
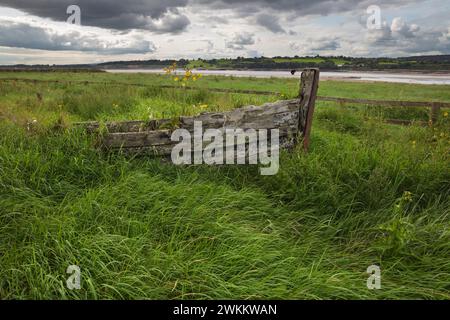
(293, 119)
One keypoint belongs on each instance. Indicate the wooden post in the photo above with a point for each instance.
(435, 110)
(309, 86)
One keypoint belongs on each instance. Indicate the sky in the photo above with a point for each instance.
(43, 32)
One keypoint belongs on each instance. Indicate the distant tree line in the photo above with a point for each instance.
(332, 63)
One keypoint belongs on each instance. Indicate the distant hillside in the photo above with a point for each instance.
(419, 63)
(428, 63)
(52, 68)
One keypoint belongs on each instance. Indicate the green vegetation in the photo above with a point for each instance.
(366, 193)
(417, 63)
(426, 63)
(299, 60)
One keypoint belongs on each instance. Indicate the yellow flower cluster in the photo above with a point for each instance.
(171, 69)
(407, 196)
(188, 74)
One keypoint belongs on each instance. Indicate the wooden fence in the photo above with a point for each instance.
(434, 106)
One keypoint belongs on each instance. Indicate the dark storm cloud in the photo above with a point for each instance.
(154, 15)
(23, 35)
(270, 22)
(300, 7)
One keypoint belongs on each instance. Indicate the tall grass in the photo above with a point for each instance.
(366, 193)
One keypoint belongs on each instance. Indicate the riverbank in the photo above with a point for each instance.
(375, 76)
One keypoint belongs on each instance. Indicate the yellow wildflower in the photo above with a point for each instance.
(407, 196)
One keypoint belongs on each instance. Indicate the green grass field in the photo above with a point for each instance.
(367, 193)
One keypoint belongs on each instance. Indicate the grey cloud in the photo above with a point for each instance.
(402, 38)
(168, 16)
(240, 41)
(169, 24)
(155, 15)
(379, 36)
(143, 14)
(325, 45)
(316, 45)
(22, 35)
(430, 41)
(271, 22)
(400, 27)
(393, 33)
(301, 7)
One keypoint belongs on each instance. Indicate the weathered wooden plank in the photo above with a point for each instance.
(278, 113)
(137, 139)
(126, 126)
(166, 151)
(267, 115)
(163, 138)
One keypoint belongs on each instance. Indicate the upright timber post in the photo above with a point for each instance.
(309, 85)
(434, 115)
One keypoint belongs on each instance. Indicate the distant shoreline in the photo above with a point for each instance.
(428, 64)
(355, 76)
(137, 70)
(391, 71)
(425, 77)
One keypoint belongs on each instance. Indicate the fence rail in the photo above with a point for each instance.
(435, 106)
